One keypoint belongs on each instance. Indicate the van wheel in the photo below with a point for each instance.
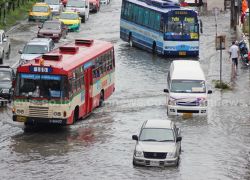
(83, 19)
(1, 59)
(76, 114)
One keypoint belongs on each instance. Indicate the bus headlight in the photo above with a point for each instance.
(57, 113)
(19, 111)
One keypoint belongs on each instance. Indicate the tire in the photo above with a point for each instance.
(134, 164)
(75, 118)
(1, 59)
(130, 41)
(154, 48)
(101, 100)
(83, 19)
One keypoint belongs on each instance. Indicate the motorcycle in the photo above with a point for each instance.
(244, 54)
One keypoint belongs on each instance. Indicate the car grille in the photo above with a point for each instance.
(187, 103)
(39, 111)
(187, 111)
(155, 155)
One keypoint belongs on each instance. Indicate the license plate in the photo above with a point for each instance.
(182, 53)
(21, 119)
(187, 115)
(154, 163)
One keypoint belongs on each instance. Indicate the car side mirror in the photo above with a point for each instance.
(166, 90)
(209, 91)
(178, 139)
(135, 137)
(20, 51)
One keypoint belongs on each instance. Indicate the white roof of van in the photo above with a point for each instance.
(187, 69)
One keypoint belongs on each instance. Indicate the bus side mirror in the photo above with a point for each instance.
(20, 51)
(166, 90)
(201, 26)
(209, 91)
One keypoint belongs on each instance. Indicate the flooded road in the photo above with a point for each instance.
(215, 147)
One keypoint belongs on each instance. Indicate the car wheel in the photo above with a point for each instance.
(9, 51)
(177, 162)
(1, 59)
(130, 41)
(83, 19)
(134, 164)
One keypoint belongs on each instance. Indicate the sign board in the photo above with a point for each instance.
(220, 42)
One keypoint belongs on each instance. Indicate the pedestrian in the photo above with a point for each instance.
(234, 55)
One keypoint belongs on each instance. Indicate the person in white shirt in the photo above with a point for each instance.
(234, 54)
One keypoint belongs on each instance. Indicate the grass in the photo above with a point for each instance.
(18, 14)
(222, 85)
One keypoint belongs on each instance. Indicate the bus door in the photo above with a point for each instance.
(88, 91)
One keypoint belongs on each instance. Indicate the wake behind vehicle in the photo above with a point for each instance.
(158, 144)
(65, 84)
(5, 46)
(80, 6)
(35, 48)
(71, 20)
(187, 89)
(7, 77)
(56, 6)
(53, 29)
(161, 27)
(40, 12)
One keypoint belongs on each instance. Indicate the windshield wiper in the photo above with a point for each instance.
(167, 140)
(149, 140)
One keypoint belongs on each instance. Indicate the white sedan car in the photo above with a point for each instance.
(158, 144)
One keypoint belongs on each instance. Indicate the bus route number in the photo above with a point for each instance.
(175, 19)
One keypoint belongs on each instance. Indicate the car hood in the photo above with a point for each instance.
(69, 22)
(156, 146)
(5, 85)
(52, 31)
(29, 56)
(188, 97)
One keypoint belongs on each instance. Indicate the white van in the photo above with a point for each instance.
(187, 88)
(80, 6)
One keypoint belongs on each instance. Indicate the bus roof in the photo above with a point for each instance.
(187, 69)
(164, 8)
(72, 55)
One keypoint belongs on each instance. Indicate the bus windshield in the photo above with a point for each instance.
(181, 28)
(41, 85)
(188, 86)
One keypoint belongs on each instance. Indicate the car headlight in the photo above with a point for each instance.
(171, 155)
(203, 103)
(138, 153)
(171, 102)
(5, 91)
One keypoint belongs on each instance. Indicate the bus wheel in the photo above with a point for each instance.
(154, 48)
(101, 99)
(76, 114)
(130, 41)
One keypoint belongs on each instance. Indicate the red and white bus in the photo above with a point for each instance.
(65, 84)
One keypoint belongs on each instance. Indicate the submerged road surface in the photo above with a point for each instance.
(100, 147)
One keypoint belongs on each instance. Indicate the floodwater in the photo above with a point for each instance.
(213, 147)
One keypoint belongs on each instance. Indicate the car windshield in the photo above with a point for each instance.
(40, 9)
(68, 16)
(156, 134)
(35, 49)
(76, 3)
(51, 25)
(44, 86)
(52, 2)
(5, 76)
(188, 86)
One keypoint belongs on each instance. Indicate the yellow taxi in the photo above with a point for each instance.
(40, 12)
(71, 19)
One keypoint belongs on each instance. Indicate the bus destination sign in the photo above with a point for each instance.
(40, 69)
